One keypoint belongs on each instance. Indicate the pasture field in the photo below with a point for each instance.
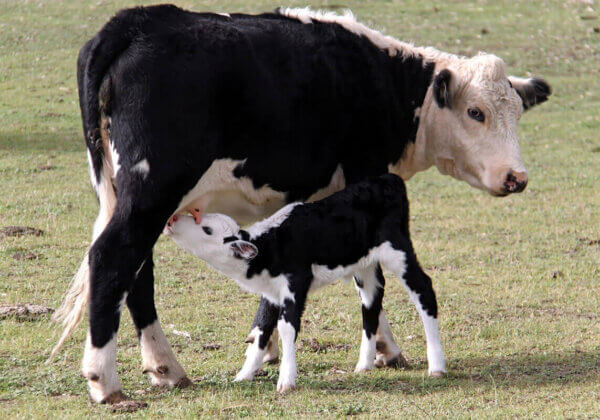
(518, 278)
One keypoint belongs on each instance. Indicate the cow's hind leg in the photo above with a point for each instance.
(259, 339)
(158, 360)
(420, 290)
(114, 259)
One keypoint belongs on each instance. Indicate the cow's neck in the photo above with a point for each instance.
(418, 69)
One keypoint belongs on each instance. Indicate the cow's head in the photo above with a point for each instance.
(469, 123)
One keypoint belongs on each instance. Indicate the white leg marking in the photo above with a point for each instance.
(288, 370)
(99, 366)
(435, 354)
(254, 358)
(158, 359)
(367, 353)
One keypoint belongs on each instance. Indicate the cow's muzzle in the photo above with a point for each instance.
(515, 182)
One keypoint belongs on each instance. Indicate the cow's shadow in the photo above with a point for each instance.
(519, 371)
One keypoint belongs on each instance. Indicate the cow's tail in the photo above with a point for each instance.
(94, 85)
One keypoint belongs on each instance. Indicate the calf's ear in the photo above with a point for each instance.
(243, 250)
(441, 88)
(532, 91)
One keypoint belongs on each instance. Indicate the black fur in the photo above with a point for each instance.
(182, 89)
(534, 93)
(441, 88)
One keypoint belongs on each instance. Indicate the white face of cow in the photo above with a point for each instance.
(216, 240)
(469, 125)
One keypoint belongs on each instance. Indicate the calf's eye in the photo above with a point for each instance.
(207, 230)
(476, 114)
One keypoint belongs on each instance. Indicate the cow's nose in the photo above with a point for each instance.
(515, 182)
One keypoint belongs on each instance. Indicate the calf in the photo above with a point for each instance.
(305, 246)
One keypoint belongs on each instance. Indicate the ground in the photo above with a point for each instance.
(517, 278)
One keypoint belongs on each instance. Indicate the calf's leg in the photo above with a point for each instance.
(370, 284)
(420, 290)
(158, 360)
(259, 339)
(289, 327)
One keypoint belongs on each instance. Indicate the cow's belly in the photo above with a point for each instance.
(219, 191)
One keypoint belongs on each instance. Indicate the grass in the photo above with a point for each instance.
(517, 278)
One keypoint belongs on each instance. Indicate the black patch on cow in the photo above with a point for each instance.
(441, 88)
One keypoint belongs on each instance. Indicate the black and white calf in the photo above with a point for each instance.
(302, 247)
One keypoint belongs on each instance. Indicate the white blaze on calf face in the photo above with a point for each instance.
(471, 134)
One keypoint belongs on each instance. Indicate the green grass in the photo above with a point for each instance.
(517, 278)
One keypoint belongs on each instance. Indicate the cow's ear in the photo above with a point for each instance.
(441, 88)
(532, 91)
(243, 250)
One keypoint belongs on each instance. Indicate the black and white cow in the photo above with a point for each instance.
(302, 247)
(242, 114)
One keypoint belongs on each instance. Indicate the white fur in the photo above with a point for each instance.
(114, 158)
(156, 353)
(219, 191)
(101, 362)
(435, 354)
(287, 371)
(142, 167)
(366, 358)
(254, 358)
(92, 174)
(271, 222)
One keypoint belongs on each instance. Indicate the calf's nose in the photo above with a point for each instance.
(515, 182)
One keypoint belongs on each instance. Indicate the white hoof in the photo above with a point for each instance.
(243, 376)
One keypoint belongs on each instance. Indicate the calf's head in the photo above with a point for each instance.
(470, 123)
(218, 240)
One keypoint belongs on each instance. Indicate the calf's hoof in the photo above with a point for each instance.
(362, 369)
(437, 374)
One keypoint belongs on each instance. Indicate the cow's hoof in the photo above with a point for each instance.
(114, 398)
(437, 374)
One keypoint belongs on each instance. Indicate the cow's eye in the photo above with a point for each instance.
(476, 114)
(207, 230)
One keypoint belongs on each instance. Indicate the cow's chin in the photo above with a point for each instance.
(449, 167)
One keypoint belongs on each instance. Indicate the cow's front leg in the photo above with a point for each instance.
(266, 314)
(158, 360)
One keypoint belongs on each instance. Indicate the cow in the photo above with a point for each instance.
(302, 247)
(242, 114)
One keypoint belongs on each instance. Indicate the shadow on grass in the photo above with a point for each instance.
(515, 371)
(60, 141)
